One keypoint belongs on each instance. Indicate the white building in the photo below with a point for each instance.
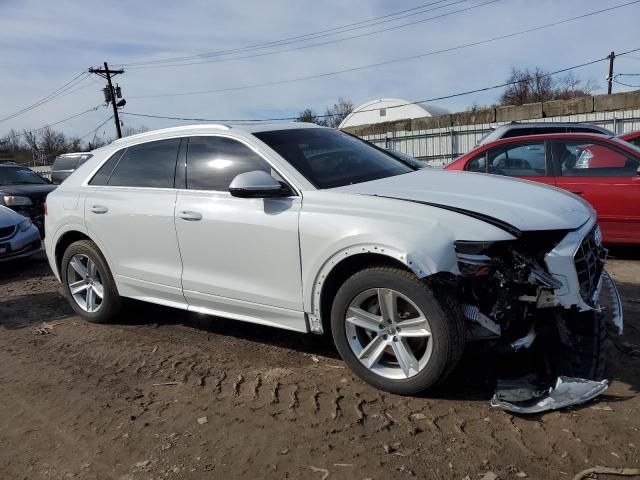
(388, 110)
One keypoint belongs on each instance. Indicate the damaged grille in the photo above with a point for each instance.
(589, 263)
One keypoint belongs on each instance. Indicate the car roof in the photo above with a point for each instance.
(543, 136)
(208, 128)
(518, 125)
(633, 134)
(12, 165)
(72, 155)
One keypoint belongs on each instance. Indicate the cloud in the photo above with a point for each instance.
(43, 44)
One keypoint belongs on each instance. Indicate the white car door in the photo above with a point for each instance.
(240, 256)
(129, 212)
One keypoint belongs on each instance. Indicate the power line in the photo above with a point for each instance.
(388, 62)
(459, 94)
(58, 122)
(625, 84)
(70, 84)
(298, 38)
(615, 79)
(97, 128)
(329, 42)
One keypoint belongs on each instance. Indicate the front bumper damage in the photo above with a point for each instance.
(550, 309)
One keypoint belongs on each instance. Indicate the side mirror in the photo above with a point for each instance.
(257, 184)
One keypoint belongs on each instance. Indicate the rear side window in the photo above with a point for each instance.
(65, 163)
(150, 165)
(213, 162)
(102, 175)
(584, 159)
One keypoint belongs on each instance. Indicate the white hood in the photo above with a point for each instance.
(520, 203)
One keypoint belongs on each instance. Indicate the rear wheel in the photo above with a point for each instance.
(393, 332)
(88, 282)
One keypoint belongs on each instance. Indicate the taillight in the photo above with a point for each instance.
(45, 208)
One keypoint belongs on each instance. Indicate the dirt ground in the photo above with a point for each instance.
(165, 394)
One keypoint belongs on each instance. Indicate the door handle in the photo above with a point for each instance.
(98, 209)
(577, 192)
(190, 216)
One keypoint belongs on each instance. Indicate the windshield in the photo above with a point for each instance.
(330, 158)
(20, 176)
(407, 159)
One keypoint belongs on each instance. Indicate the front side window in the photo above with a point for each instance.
(330, 158)
(19, 176)
(150, 165)
(518, 160)
(213, 162)
(582, 158)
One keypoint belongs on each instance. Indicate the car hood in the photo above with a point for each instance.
(8, 217)
(27, 190)
(522, 204)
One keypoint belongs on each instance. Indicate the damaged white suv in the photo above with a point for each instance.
(313, 230)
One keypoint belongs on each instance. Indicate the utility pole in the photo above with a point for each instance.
(111, 93)
(611, 57)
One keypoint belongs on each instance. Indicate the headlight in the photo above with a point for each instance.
(16, 201)
(25, 225)
(472, 258)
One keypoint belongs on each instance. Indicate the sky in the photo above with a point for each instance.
(46, 43)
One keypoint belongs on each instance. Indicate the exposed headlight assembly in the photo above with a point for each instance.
(16, 201)
(472, 258)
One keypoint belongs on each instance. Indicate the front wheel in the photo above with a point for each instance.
(393, 332)
(88, 282)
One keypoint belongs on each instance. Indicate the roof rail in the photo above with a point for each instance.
(221, 126)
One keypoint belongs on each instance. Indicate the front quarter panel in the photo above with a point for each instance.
(334, 226)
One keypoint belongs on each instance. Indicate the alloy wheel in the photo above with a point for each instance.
(388, 333)
(85, 283)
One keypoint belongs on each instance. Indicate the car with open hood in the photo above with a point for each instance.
(314, 230)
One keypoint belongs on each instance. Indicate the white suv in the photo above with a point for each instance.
(313, 230)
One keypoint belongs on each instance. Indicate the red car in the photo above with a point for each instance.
(631, 137)
(605, 171)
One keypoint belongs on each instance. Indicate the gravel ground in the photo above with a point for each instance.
(165, 394)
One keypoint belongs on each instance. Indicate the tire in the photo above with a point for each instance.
(445, 325)
(111, 302)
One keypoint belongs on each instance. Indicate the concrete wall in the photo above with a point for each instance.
(443, 138)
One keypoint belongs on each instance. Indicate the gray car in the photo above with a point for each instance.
(65, 164)
(19, 237)
(515, 129)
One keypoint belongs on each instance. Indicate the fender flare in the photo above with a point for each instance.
(74, 227)
(418, 266)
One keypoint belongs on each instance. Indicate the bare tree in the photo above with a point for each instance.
(129, 130)
(336, 113)
(309, 116)
(539, 86)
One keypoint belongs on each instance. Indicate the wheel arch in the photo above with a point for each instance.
(345, 263)
(63, 242)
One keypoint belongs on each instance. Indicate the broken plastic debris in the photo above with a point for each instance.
(612, 303)
(568, 391)
(526, 341)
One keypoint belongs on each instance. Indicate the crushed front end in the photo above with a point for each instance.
(544, 303)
